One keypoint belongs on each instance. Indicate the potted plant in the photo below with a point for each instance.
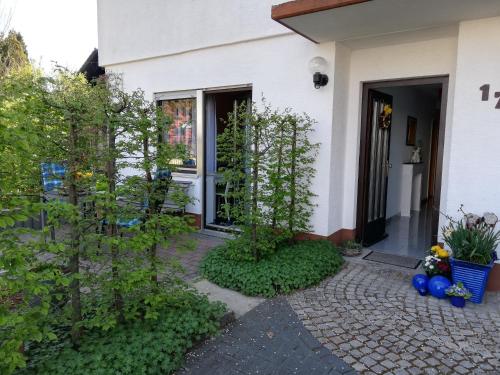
(458, 293)
(437, 263)
(473, 241)
(351, 248)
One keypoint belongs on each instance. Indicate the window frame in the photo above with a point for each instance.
(197, 95)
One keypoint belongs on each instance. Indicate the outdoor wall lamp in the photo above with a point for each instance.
(318, 67)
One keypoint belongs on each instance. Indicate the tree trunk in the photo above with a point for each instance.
(293, 180)
(254, 194)
(112, 230)
(152, 206)
(278, 174)
(74, 261)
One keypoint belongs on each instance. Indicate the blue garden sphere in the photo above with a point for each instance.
(438, 286)
(420, 283)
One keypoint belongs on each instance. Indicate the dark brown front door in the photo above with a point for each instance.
(377, 138)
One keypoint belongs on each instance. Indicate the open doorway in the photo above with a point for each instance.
(399, 183)
(217, 107)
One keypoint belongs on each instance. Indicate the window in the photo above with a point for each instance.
(183, 129)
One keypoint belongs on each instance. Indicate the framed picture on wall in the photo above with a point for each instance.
(411, 131)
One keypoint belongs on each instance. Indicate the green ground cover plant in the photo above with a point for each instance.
(139, 347)
(292, 266)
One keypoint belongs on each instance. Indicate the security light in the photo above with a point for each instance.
(318, 66)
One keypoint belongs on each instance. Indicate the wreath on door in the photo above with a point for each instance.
(384, 119)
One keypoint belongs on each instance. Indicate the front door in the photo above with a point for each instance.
(377, 140)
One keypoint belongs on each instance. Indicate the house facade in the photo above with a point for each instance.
(434, 65)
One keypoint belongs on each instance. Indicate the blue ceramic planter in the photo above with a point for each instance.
(474, 276)
(457, 301)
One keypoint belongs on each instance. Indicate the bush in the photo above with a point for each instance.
(292, 267)
(142, 347)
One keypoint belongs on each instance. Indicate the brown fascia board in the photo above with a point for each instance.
(300, 7)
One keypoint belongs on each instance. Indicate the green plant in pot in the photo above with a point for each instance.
(473, 241)
(458, 294)
(351, 248)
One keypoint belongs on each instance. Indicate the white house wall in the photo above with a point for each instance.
(338, 145)
(474, 169)
(137, 29)
(277, 68)
(217, 43)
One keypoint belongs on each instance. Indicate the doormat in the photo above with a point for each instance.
(395, 260)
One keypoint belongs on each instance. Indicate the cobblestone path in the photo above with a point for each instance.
(371, 317)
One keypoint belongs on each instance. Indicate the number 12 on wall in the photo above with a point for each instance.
(485, 94)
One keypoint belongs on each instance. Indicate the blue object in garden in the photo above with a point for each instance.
(438, 285)
(457, 301)
(52, 176)
(163, 174)
(420, 283)
(474, 276)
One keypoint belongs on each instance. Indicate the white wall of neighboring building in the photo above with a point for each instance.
(474, 170)
(388, 62)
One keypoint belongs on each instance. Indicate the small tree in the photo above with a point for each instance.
(86, 277)
(27, 283)
(267, 160)
(13, 52)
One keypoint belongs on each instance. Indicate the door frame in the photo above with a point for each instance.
(363, 167)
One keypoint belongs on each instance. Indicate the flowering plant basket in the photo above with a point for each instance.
(458, 294)
(473, 240)
(437, 262)
(351, 248)
(459, 290)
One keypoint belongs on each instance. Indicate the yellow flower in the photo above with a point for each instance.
(436, 248)
(442, 253)
(387, 109)
(80, 175)
(439, 251)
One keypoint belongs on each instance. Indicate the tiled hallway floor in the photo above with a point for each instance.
(407, 236)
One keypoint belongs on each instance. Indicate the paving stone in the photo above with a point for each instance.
(368, 361)
(460, 370)
(378, 369)
(388, 364)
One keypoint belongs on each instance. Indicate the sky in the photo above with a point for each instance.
(64, 31)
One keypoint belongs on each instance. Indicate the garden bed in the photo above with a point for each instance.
(296, 266)
(140, 347)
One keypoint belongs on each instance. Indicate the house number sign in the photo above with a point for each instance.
(485, 94)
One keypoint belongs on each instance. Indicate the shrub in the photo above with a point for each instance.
(141, 347)
(266, 160)
(291, 267)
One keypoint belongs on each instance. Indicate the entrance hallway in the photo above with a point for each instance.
(408, 236)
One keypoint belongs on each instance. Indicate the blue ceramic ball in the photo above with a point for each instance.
(420, 283)
(438, 286)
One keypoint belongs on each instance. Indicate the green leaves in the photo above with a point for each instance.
(266, 159)
(292, 267)
(141, 347)
(95, 276)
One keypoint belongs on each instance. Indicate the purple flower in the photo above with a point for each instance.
(490, 219)
(472, 220)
